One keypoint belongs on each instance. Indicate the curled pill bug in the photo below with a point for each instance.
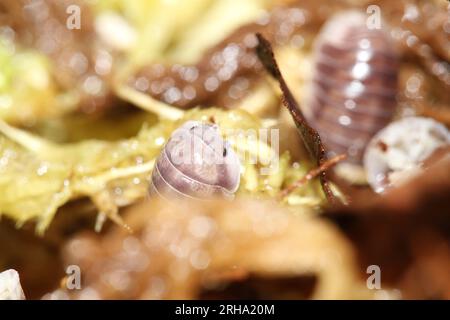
(196, 163)
(354, 85)
(397, 153)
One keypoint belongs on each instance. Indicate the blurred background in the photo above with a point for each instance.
(87, 87)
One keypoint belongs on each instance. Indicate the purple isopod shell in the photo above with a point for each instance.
(354, 85)
(196, 163)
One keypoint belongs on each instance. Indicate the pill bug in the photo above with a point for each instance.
(354, 84)
(196, 163)
(397, 152)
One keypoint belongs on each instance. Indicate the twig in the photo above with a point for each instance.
(311, 175)
(310, 136)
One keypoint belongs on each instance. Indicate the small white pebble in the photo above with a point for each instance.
(10, 288)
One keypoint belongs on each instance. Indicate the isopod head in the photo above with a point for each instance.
(196, 163)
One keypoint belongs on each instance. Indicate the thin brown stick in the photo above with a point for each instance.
(310, 136)
(311, 175)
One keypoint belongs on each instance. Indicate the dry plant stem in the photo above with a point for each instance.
(310, 136)
(25, 139)
(148, 103)
(311, 175)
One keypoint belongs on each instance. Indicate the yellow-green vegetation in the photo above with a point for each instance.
(179, 30)
(38, 176)
(27, 90)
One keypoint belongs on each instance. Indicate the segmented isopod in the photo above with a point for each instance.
(353, 91)
(197, 163)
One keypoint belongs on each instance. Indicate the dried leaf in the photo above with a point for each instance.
(406, 232)
(309, 135)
